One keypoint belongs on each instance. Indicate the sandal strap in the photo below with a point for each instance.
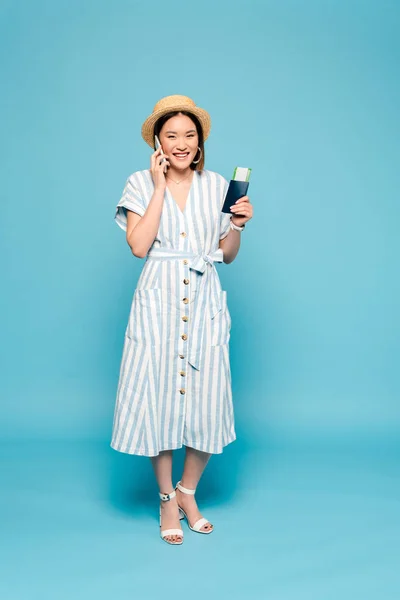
(167, 497)
(199, 524)
(166, 532)
(184, 490)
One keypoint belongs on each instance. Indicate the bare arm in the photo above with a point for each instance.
(230, 245)
(141, 231)
(242, 212)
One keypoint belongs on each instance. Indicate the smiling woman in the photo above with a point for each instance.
(181, 135)
(175, 381)
(193, 135)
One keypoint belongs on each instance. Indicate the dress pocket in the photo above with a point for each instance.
(145, 316)
(220, 320)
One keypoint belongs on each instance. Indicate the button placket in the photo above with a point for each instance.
(184, 308)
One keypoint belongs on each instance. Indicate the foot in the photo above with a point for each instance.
(170, 520)
(189, 505)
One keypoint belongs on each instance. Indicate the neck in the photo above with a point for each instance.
(178, 175)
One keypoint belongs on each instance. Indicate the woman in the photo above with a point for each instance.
(175, 383)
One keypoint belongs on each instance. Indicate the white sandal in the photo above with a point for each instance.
(166, 532)
(199, 524)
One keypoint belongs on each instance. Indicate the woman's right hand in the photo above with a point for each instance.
(157, 169)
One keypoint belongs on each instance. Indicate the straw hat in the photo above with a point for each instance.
(170, 103)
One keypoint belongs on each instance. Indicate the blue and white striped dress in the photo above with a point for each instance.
(174, 384)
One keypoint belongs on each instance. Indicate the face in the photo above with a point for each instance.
(180, 141)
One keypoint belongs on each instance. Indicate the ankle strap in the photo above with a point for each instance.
(184, 490)
(166, 497)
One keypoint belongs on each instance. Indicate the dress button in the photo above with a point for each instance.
(183, 234)
(182, 391)
(185, 318)
(186, 281)
(185, 300)
(184, 336)
(181, 356)
(182, 373)
(185, 262)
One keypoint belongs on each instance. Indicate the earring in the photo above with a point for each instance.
(195, 162)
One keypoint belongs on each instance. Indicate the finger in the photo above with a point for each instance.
(241, 214)
(243, 199)
(162, 159)
(242, 203)
(163, 167)
(153, 159)
(240, 207)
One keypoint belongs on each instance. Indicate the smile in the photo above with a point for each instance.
(181, 155)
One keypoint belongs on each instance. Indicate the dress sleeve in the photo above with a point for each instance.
(225, 218)
(131, 199)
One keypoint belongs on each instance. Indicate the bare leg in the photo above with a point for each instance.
(195, 463)
(162, 465)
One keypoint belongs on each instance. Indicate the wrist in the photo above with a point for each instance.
(235, 227)
(160, 189)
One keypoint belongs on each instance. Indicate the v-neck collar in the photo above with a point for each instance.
(190, 193)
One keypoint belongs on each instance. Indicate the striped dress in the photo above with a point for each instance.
(174, 384)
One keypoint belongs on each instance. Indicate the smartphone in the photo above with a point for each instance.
(157, 145)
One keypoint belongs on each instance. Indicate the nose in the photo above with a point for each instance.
(181, 145)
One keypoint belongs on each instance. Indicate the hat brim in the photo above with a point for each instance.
(200, 113)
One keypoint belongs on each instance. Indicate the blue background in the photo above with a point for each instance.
(307, 94)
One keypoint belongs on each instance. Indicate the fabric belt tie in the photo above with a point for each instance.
(206, 302)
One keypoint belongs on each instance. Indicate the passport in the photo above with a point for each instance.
(237, 188)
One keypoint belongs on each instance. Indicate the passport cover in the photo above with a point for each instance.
(236, 190)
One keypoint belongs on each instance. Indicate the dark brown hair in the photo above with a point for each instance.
(159, 124)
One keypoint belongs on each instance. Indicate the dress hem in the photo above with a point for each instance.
(151, 453)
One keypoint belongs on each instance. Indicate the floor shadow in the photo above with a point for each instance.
(133, 488)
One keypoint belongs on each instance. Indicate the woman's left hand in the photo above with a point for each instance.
(242, 211)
